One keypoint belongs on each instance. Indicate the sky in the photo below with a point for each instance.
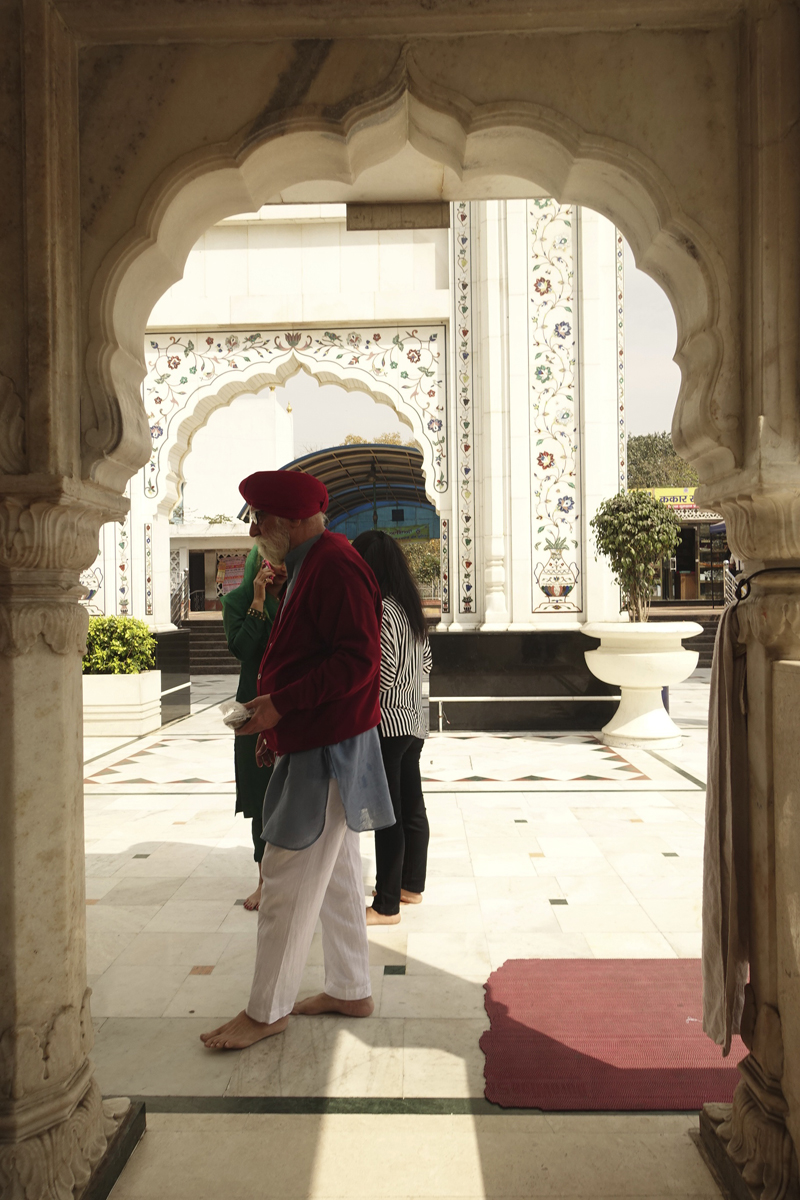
(324, 415)
(652, 378)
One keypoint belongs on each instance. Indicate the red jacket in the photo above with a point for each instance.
(323, 659)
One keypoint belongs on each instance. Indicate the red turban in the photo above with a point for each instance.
(292, 494)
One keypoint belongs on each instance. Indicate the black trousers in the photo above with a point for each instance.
(259, 845)
(401, 852)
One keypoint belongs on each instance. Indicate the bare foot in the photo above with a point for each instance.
(241, 1032)
(410, 897)
(323, 1003)
(253, 900)
(376, 918)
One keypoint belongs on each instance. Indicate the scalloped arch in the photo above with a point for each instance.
(256, 378)
(494, 151)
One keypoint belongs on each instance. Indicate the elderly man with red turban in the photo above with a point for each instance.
(317, 710)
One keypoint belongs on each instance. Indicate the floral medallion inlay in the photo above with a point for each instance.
(555, 472)
(408, 362)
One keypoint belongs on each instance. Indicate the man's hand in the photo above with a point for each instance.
(275, 584)
(265, 716)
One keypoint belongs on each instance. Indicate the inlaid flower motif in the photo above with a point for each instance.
(231, 341)
(563, 329)
(293, 339)
(354, 339)
(156, 431)
(432, 392)
(413, 356)
(434, 424)
(542, 285)
(545, 460)
(565, 504)
(173, 362)
(543, 374)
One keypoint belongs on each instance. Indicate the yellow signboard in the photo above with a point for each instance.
(674, 497)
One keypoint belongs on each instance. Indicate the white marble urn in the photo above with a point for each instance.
(121, 705)
(641, 658)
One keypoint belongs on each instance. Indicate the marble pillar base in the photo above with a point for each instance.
(120, 1147)
(734, 1178)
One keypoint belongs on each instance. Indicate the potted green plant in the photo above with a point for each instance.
(634, 532)
(121, 690)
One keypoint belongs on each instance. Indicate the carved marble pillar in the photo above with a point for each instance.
(53, 1128)
(760, 500)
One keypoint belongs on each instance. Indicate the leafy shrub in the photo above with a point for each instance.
(634, 532)
(118, 646)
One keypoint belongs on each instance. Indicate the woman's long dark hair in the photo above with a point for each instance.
(390, 567)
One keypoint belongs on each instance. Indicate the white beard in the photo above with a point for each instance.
(274, 551)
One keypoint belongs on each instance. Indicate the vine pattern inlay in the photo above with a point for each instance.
(123, 564)
(464, 385)
(179, 365)
(621, 430)
(148, 569)
(552, 380)
(444, 558)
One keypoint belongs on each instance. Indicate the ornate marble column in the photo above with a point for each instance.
(53, 1127)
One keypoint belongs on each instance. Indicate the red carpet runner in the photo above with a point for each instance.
(604, 1035)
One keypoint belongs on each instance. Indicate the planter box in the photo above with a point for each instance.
(641, 659)
(121, 704)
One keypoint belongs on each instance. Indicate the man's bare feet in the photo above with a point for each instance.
(323, 1003)
(376, 918)
(253, 900)
(241, 1032)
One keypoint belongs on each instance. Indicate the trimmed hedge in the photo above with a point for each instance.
(118, 646)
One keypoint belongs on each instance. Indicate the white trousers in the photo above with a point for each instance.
(323, 881)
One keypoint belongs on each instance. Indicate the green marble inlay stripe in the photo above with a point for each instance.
(333, 1105)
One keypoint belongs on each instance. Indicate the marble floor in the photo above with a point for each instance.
(541, 846)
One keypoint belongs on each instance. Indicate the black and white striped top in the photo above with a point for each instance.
(403, 660)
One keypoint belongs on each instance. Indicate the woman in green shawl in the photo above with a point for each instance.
(247, 615)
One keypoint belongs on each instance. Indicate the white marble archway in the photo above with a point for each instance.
(677, 122)
(498, 151)
(191, 375)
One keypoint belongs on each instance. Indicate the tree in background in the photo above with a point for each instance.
(653, 462)
(383, 439)
(423, 559)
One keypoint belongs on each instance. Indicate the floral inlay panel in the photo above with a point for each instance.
(463, 315)
(554, 416)
(92, 581)
(623, 439)
(409, 361)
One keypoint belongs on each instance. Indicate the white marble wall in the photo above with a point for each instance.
(299, 265)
